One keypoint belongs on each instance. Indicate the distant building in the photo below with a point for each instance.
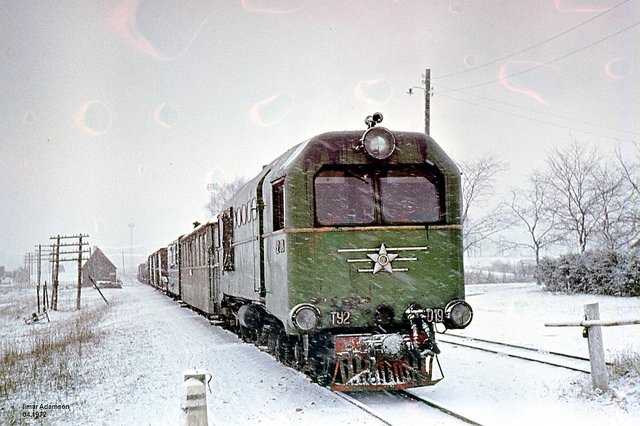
(100, 268)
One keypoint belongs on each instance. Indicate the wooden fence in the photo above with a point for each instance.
(592, 331)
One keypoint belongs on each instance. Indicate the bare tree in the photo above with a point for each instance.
(479, 222)
(618, 225)
(221, 193)
(631, 172)
(591, 198)
(531, 207)
(631, 176)
(575, 198)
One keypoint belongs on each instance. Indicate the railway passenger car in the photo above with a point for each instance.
(198, 267)
(143, 273)
(173, 269)
(158, 269)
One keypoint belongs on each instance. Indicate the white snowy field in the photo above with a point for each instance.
(495, 389)
(134, 374)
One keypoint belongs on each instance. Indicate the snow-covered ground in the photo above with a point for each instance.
(494, 389)
(134, 376)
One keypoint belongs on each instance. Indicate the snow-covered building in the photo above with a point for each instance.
(100, 268)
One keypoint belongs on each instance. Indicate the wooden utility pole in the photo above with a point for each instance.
(45, 296)
(54, 273)
(76, 257)
(79, 272)
(427, 101)
(29, 259)
(38, 273)
(131, 226)
(38, 259)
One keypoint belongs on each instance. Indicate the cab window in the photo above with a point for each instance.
(378, 196)
(409, 198)
(344, 197)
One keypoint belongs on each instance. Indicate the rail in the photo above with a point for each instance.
(593, 333)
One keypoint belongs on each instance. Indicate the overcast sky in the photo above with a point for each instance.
(121, 111)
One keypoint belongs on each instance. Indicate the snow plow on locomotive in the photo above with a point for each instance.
(342, 257)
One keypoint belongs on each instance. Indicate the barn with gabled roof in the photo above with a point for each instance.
(100, 268)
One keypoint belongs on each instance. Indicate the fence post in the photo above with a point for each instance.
(599, 375)
(194, 404)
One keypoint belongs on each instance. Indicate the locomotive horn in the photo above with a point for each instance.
(374, 119)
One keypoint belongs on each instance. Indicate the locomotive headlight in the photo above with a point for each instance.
(304, 317)
(457, 314)
(378, 143)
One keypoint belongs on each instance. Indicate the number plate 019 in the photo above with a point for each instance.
(434, 315)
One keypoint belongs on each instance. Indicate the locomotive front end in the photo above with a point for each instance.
(377, 269)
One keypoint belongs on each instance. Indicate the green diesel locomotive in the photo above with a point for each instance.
(342, 257)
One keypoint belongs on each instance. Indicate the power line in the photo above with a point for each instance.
(545, 63)
(529, 118)
(566, 118)
(535, 45)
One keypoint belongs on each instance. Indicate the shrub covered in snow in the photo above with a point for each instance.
(595, 272)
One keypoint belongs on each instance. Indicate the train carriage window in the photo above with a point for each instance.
(277, 189)
(409, 197)
(344, 197)
(198, 258)
(201, 250)
(228, 263)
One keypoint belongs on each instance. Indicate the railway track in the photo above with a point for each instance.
(402, 407)
(556, 359)
(393, 407)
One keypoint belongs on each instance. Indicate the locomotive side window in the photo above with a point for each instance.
(344, 197)
(409, 198)
(277, 189)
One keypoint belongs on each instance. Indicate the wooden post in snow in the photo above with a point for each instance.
(599, 375)
(592, 331)
(194, 404)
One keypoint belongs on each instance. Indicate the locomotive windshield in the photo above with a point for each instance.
(361, 196)
(344, 197)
